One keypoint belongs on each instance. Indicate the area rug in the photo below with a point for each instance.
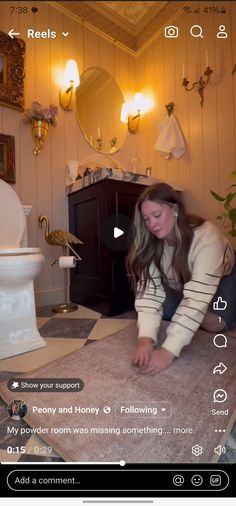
(121, 414)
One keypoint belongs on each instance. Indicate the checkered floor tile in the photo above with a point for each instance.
(64, 334)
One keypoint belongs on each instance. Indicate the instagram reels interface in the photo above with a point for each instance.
(117, 250)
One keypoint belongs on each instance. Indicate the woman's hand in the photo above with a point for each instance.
(160, 360)
(143, 351)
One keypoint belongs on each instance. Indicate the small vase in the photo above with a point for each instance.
(73, 166)
(39, 131)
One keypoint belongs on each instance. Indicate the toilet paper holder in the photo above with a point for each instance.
(77, 257)
(67, 306)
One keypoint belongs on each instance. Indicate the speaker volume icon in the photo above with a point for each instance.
(220, 450)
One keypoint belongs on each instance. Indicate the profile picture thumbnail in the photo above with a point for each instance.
(17, 409)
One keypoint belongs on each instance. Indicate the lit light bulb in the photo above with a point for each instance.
(72, 74)
(124, 113)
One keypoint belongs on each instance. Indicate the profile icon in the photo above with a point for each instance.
(222, 34)
(17, 409)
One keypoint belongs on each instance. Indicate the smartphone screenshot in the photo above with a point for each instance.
(118, 251)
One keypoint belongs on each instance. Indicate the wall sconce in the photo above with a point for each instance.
(131, 114)
(201, 84)
(72, 80)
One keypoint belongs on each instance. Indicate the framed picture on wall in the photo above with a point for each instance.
(12, 56)
(7, 158)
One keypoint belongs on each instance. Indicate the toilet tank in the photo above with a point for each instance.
(27, 211)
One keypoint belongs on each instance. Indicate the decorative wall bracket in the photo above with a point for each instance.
(201, 84)
(39, 131)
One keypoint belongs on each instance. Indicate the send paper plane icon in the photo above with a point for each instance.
(118, 232)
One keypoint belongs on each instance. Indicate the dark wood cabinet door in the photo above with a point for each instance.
(100, 281)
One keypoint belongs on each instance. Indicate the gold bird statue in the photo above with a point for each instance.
(59, 237)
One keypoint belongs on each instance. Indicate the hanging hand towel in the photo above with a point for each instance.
(170, 141)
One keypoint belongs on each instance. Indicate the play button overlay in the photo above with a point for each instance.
(117, 232)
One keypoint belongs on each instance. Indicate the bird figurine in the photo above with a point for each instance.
(59, 237)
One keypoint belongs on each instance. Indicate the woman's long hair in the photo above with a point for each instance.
(147, 248)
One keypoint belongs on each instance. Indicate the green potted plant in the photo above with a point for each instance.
(229, 214)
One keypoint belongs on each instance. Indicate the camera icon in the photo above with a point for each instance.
(171, 32)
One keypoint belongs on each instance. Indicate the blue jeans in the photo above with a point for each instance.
(226, 290)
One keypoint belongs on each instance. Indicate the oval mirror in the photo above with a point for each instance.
(98, 103)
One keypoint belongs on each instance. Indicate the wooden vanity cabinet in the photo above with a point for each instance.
(100, 281)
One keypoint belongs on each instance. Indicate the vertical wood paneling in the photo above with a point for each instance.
(58, 169)
(159, 75)
(181, 106)
(26, 168)
(233, 46)
(210, 132)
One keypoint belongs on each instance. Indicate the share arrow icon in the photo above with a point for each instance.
(220, 368)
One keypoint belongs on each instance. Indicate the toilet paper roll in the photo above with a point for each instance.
(67, 261)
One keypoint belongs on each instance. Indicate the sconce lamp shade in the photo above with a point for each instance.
(72, 74)
(72, 81)
(130, 113)
(138, 101)
(124, 113)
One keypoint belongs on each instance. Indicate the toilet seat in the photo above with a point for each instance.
(13, 225)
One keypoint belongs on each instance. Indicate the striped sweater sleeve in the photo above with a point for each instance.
(208, 258)
(149, 305)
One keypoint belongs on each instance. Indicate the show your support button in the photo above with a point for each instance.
(45, 385)
(144, 409)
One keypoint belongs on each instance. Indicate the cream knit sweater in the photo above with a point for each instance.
(211, 257)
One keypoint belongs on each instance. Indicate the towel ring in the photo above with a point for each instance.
(170, 108)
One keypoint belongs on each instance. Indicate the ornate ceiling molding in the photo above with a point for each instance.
(109, 24)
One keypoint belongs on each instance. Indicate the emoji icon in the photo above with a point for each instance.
(197, 480)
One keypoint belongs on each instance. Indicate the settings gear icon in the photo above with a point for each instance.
(197, 450)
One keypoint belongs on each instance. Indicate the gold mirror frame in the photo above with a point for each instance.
(12, 52)
(98, 102)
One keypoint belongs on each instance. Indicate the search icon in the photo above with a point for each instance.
(199, 31)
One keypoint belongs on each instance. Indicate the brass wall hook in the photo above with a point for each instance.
(170, 108)
(202, 83)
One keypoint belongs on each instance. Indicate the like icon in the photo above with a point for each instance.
(220, 304)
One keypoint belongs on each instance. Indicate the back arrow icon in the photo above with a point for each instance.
(12, 33)
(220, 368)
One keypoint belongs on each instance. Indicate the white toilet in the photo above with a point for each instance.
(18, 268)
